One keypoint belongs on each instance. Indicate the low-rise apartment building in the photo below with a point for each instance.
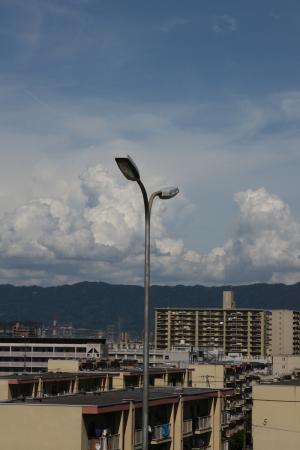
(158, 376)
(27, 386)
(32, 354)
(179, 419)
(276, 416)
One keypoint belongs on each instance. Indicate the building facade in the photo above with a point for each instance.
(32, 354)
(248, 332)
(236, 376)
(275, 416)
(284, 365)
(182, 419)
(285, 336)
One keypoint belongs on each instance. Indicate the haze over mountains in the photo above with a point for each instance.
(97, 305)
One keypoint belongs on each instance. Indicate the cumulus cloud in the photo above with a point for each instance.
(100, 237)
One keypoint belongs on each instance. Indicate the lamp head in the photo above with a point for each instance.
(168, 192)
(128, 168)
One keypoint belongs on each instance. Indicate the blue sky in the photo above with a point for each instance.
(203, 94)
(150, 51)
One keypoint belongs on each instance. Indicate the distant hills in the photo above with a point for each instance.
(97, 305)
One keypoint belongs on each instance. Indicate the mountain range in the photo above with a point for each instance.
(97, 305)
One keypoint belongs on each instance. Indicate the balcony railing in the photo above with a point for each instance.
(187, 427)
(225, 445)
(203, 447)
(161, 433)
(113, 442)
(225, 418)
(203, 424)
(138, 437)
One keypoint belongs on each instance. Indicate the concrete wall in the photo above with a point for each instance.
(63, 365)
(4, 390)
(285, 364)
(36, 427)
(276, 417)
(282, 332)
(207, 375)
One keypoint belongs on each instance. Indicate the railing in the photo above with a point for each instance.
(113, 442)
(187, 426)
(225, 445)
(202, 447)
(203, 423)
(138, 437)
(161, 432)
(225, 418)
(230, 405)
(240, 403)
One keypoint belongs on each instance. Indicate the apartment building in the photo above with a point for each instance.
(275, 416)
(236, 376)
(180, 419)
(247, 332)
(30, 386)
(285, 337)
(243, 331)
(32, 354)
(58, 382)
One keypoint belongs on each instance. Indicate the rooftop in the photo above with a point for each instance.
(51, 340)
(124, 397)
(30, 378)
(295, 382)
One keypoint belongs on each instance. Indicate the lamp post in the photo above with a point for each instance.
(131, 172)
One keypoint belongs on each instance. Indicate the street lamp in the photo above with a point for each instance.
(131, 172)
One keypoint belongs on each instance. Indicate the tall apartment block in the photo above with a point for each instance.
(285, 337)
(250, 332)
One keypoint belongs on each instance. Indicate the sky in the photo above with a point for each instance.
(202, 94)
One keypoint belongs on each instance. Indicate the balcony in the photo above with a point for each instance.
(229, 405)
(225, 419)
(203, 424)
(202, 447)
(160, 433)
(225, 445)
(187, 427)
(138, 438)
(111, 443)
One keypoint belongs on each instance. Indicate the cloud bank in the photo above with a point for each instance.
(100, 237)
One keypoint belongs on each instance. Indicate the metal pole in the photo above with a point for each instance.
(145, 413)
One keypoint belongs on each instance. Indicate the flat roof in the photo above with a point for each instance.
(53, 376)
(120, 399)
(182, 308)
(30, 378)
(281, 383)
(51, 340)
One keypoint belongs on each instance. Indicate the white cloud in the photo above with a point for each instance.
(48, 241)
(224, 24)
(92, 227)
